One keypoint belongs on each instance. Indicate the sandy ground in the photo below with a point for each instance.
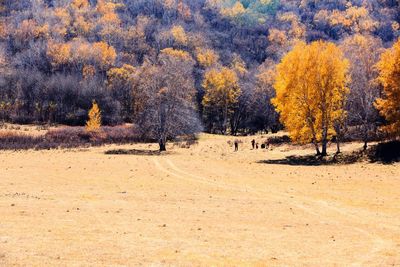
(204, 206)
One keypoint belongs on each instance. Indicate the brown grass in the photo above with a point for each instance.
(203, 206)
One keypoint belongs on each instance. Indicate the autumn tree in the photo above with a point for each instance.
(206, 58)
(263, 115)
(363, 52)
(94, 122)
(310, 92)
(62, 54)
(389, 104)
(120, 83)
(222, 92)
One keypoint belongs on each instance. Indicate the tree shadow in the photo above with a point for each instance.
(309, 160)
(137, 152)
(384, 153)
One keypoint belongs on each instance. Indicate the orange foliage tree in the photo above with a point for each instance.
(389, 104)
(94, 122)
(222, 93)
(311, 92)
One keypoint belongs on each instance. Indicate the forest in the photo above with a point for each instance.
(222, 66)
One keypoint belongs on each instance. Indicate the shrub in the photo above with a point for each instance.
(69, 137)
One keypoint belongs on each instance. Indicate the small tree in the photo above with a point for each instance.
(94, 122)
(310, 92)
(389, 105)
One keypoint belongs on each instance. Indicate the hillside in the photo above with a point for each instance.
(58, 56)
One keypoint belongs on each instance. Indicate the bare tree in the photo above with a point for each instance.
(363, 53)
(168, 110)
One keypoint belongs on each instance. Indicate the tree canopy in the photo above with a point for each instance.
(311, 91)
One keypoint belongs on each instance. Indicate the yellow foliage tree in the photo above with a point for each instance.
(180, 54)
(179, 35)
(59, 53)
(106, 54)
(107, 9)
(222, 92)
(207, 58)
(94, 122)
(236, 10)
(389, 105)
(88, 71)
(311, 92)
(80, 4)
(120, 83)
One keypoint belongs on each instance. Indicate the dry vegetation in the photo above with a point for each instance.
(203, 205)
(126, 74)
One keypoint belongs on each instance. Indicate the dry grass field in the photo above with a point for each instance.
(203, 206)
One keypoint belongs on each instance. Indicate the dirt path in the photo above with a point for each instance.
(203, 206)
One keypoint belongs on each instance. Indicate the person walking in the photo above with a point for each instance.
(236, 142)
(253, 143)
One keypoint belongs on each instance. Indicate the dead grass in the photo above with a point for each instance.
(203, 206)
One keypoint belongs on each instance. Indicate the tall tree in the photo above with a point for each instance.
(222, 93)
(389, 104)
(363, 51)
(168, 109)
(310, 89)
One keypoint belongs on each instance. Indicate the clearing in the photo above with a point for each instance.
(200, 206)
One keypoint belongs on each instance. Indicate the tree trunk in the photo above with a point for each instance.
(324, 142)
(162, 143)
(365, 136)
(316, 147)
(338, 145)
(338, 136)
(225, 120)
(324, 148)
(162, 130)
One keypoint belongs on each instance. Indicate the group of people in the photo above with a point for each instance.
(254, 145)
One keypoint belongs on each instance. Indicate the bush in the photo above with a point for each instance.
(69, 137)
(12, 141)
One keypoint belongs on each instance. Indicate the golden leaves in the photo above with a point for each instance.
(236, 10)
(207, 58)
(389, 104)
(80, 52)
(310, 90)
(179, 35)
(106, 54)
(88, 71)
(59, 53)
(179, 54)
(94, 122)
(120, 76)
(80, 4)
(221, 88)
